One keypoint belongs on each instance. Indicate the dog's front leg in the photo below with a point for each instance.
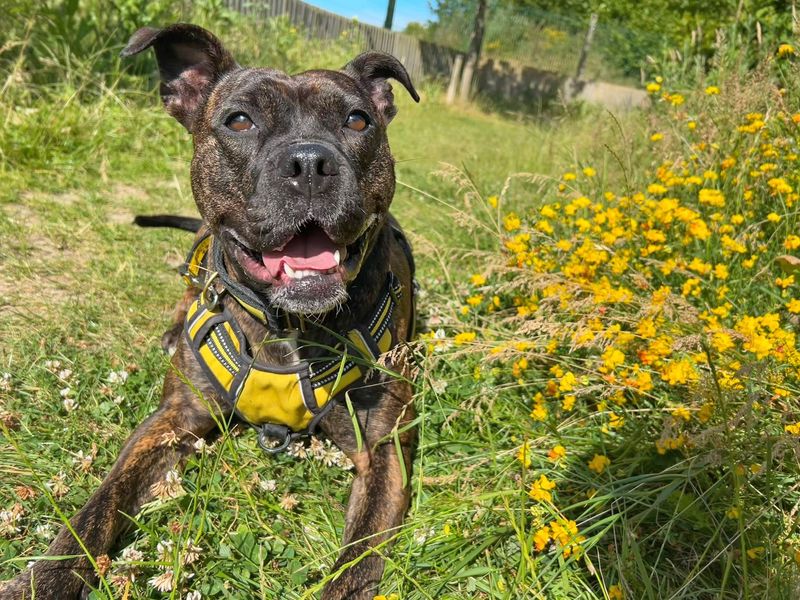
(155, 447)
(380, 492)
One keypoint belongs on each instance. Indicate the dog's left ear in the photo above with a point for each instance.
(372, 69)
(190, 60)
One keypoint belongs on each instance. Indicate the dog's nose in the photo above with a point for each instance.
(309, 167)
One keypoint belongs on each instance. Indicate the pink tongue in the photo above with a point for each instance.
(311, 250)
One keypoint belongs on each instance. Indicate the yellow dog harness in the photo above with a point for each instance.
(282, 402)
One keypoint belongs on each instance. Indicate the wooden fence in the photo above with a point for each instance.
(421, 59)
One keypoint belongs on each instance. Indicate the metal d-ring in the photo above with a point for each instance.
(209, 294)
(263, 440)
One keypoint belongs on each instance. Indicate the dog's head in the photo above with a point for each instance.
(292, 173)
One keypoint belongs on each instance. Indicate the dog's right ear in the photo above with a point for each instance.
(190, 60)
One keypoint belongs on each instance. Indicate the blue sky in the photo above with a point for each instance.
(374, 11)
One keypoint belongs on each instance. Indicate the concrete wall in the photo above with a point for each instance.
(529, 88)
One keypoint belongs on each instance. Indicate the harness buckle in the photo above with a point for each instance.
(269, 431)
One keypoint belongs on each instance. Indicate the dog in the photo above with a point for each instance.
(297, 254)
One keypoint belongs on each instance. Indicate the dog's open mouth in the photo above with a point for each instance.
(311, 253)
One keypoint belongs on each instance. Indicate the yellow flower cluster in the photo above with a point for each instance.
(564, 534)
(649, 302)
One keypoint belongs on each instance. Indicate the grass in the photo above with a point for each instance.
(579, 436)
(84, 295)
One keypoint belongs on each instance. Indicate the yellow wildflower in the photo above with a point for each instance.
(615, 593)
(475, 300)
(541, 538)
(478, 280)
(599, 463)
(541, 489)
(511, 222)
(733, 512)
(464, 337)
(612, 358)
(678, 372)
(681, 413)
(557, 452)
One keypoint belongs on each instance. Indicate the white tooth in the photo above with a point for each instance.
(337, 256)
(289, 271)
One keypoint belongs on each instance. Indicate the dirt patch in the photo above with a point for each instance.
(63, 199)
(119, 216)
(21, 214)
(121, 191)
(33, 299)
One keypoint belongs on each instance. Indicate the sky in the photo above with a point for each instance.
(374, 11)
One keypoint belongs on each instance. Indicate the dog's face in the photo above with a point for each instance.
(293, 173)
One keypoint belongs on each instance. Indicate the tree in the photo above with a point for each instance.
(474, 52)
(389, 15)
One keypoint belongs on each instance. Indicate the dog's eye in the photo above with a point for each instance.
(239, 122)
(357, 121)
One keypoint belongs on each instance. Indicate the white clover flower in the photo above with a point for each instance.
(316, 448)
(131, 554)
(164, 551)
(163, 582)
(191, 553)
(58, 485)
(297, 449)
(46, 531)
(289, 502)
(169, 487)
(268, 485)
(117, 377)
(84, 460)
(10, 520)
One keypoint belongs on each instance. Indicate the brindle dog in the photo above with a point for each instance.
(279, 162)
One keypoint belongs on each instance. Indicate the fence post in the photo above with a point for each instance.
(455, 76)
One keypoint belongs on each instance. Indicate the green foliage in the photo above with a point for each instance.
(631, 36)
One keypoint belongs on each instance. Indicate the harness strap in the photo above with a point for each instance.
(244, 295)
(293, 397)
(283, 403)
